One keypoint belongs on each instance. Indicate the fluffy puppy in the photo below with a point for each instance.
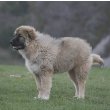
(45, 56)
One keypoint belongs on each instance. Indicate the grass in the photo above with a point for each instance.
(17, 89)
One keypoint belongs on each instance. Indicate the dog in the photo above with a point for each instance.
(44, 56)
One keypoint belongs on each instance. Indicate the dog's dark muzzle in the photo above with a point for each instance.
(12, 42)
(17, 44)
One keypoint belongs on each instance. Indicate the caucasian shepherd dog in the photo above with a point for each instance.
(45, 56)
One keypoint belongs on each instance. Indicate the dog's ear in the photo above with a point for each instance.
(31, 33)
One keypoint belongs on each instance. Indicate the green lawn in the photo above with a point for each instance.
(17, 89)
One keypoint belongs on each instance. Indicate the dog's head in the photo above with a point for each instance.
(23, 35)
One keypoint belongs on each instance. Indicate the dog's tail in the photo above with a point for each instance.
(97, 60)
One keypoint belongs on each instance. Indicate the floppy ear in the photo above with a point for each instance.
(31, 33)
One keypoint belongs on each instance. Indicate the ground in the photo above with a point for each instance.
(18, 89)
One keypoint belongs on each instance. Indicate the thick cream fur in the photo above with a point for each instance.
(45, 56)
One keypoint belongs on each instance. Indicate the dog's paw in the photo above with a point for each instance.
(43, 97)
(79, 97)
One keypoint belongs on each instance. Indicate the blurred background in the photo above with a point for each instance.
(87, 20)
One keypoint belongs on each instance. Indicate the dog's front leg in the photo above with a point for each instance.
(44, 84)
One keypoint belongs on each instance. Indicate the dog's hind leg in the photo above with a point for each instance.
(79, 76)
(75, 82)
(79, 83)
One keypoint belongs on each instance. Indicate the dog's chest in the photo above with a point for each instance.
(33, 67)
